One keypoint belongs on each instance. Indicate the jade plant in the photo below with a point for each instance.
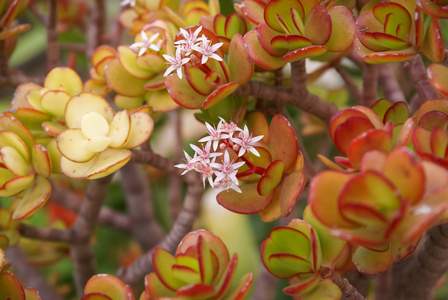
(309, 136)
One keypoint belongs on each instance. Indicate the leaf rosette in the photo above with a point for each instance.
(98, 140)
(201, 269)
(385, 208)
(293, 30)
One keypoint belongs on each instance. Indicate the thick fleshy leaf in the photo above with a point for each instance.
(214, 242)
(379, 41)
(306, 52)
(9, 139)
(119, 80)
(318, 25)
(370, 237)
(101, 165)
(41, 160)
(303, 286)
(436, 9)
(197, 79)
(343, 29)
(352, 128)
(380, 107)
(432, 45)
(271, 178)
(371, 262)
(291, 189)
(196, 291)
(205, 261)
(127, 59)
(155, 288)
(14, 185)
(242, 289)
(161, 101)
(220, 94)
(392, 12)
(182, 93)
(259, 55)
(32, 294)
(281, 9)
(85, 103)
(383, 56)
(265, 36)
(398, 113)
(29, 116)
(35, 197)
(241, 66)
(19, 99)
(437, 75)
(322, 198)
(119, 129)
(325, 290)
(258, 125)
(226, 281)
(289, 41)
(108, 285)
(247, 202)
(11, 287)
(331, 247)
(101, 53)
(404, 170)
(253, 10)
(96, 296)
(54, 102)
(283, 141)
(273, 211)
(69, 144)
(376, 139)
(162, 262)
(292, 241)
(141, 129)
(9, 123)
(438, 105)
(63, 78)
(342, 116)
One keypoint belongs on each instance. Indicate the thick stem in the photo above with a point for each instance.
(389, 84)
(52, 36)
(348, 291)
(30, 275)
(133, 274)
(82, 253)
(47, 234)
(417, 72)
(144, 227)
(369, 84)
(415, 277)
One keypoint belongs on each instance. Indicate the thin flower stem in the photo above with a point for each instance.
(133, 274)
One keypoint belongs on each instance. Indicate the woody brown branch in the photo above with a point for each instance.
(389, 84)
(52, 36)
(133, 274)
(369, 84)
(348, 291)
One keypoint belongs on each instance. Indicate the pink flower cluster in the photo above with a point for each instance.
(187, 46)
(226, 135)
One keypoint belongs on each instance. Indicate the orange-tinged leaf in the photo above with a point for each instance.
(404, 170)
(343, 29)
(253, 10)
(182, 93)
(259, 55)
(290, 191)
(322, 198)
(96, 296)
(432, 45)
(383, 56)
(162, 262)
(340, 117)
(220, 94)
(63, 78)
(196, 78)
(265, 36)
(380, 107)
(273, 211)
(226, 280)
(32, 294)
(9, 123)
(242, 289)
(2, 258)
(258, 125)
(106, 284)
(247, 202)
(11, 287)
(283, 141)
(241, 66)
(375, 139)
(196, 291)
(289, 41)
(303, 286)
(281, 9)
(318, 25)
(385, 10)
(35, 197)
(371, 262)
(325, 290)
(306, 52)
(348, 131)
(140, 130)
(437, 75)
(155, 288)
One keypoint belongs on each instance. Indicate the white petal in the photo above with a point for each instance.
(142, 51)
(216, 56)
(179, 72)
(169, 70)
(204, 59)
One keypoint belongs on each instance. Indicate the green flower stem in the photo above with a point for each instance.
(133, 274)
(417, 72)
(348, 291)
(82, 253)
(416, 277)
(369, 85)
(144, 227)
(389, 84)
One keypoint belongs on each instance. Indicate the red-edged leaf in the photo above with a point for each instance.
(271, 178)
(318, 25)
(196, 291)
(306, 52)
(220, 94)
(376, 139)
(303, 286)
(259, 55)
(11, 287)
(247, 202)
(35, 197)
(283, 141)
(371, 262)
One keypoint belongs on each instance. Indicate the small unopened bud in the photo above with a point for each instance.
(236, 147)
(222, 146)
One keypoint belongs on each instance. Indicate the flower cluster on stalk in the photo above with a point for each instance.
(225, 135)
(191, 46)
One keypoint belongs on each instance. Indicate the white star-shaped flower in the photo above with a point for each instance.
(207, 50)
(146, 43)
(189, 39)
(246, 142)
(176, 63)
